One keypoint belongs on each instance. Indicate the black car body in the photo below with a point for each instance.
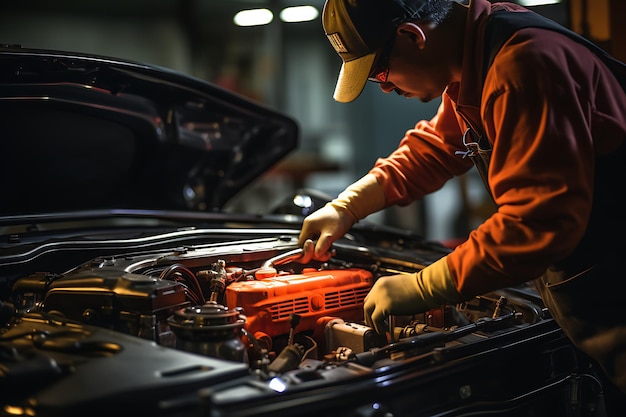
(127, 288)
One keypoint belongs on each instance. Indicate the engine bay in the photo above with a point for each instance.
(247, 301)
(243, 309)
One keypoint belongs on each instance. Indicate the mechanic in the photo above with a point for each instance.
(552, 118)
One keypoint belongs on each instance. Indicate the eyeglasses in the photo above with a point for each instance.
(380, 69)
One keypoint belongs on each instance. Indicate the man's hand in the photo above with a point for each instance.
(332, 221)
(409, 294)
(327, 225)
(308, 253)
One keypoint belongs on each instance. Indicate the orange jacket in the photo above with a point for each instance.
(550, 108)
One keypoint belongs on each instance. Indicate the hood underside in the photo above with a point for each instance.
(80, 132)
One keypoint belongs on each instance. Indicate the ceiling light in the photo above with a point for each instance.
(299, 14)
(253, 17)
(537, 2)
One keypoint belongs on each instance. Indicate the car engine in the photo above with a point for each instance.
(247, 313)
(227, 301)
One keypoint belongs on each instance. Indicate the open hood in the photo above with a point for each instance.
(80, 132)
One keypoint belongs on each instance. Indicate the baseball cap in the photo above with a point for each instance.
(357, 29)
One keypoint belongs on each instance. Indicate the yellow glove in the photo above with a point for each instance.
(332, 221)
(407, 294)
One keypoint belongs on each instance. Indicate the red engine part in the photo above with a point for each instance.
(269, 303)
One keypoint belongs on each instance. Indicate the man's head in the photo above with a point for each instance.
(359, 30)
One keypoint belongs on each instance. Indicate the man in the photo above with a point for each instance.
(554, 117)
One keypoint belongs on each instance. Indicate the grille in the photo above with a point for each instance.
(345, 298)
(285, 308)
(351, 297)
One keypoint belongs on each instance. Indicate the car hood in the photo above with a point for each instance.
(80, 132)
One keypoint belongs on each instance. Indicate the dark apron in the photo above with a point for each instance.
(582, 292)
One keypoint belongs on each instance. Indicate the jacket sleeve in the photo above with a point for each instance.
(425, 159)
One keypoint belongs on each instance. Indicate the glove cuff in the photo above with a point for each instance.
(437, 285)
(364, 197)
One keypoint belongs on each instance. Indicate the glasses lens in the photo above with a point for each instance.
(380, 69)
(380, 77)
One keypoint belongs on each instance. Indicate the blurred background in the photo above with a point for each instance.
(288, 66)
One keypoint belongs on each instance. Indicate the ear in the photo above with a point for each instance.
(414, 31)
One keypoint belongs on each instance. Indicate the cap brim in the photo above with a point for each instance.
(352, 78)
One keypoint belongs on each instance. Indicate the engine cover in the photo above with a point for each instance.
(268, 303)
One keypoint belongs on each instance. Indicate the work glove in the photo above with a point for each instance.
(332, 221)
(408, 294)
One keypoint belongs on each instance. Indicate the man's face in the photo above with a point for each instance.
(417, 69)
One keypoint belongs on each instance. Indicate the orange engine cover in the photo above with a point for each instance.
(269, 303)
